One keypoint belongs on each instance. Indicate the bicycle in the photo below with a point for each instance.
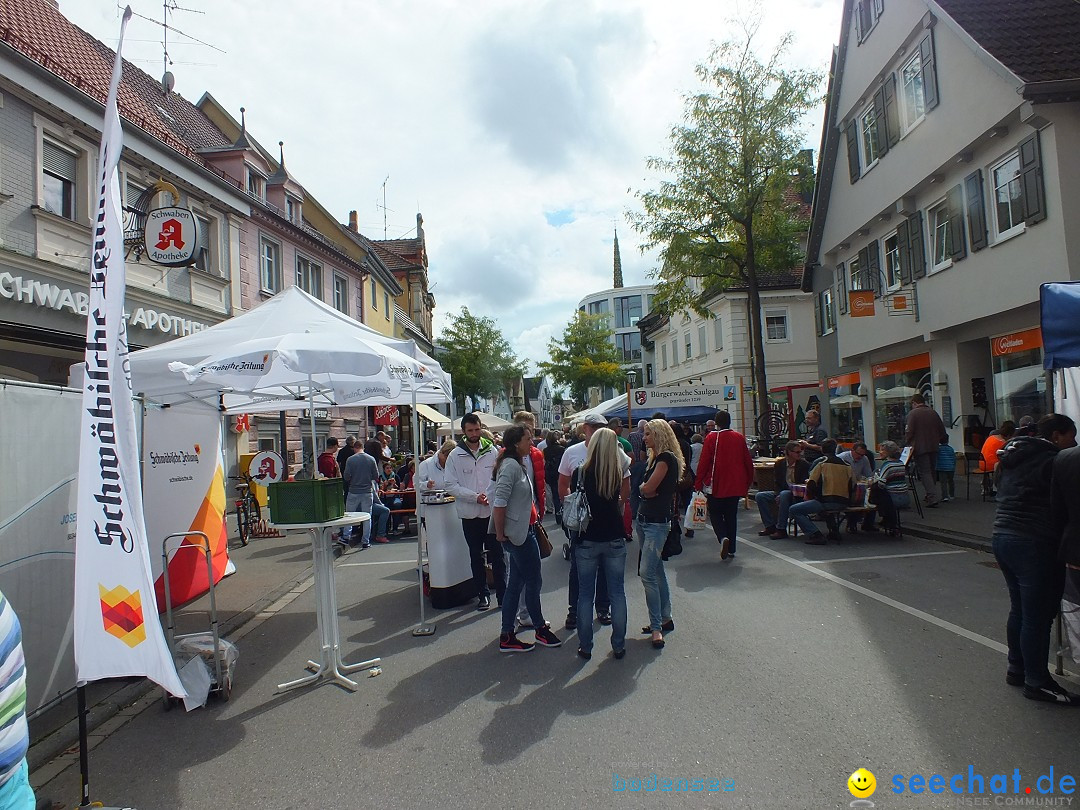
(248, 511)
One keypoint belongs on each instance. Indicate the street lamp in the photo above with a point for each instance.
(631, 378)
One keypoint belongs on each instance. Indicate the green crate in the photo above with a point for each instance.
(314, 501)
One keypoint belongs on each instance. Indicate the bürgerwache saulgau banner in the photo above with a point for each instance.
(117, 629)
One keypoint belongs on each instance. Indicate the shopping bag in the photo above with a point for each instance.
(697, 512)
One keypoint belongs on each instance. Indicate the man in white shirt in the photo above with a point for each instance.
(468, 475)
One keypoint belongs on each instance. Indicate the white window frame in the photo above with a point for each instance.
(689, 355)
(908, 123)
(674, 351)
(315, 270)
(663, 357)
(269, 274)
(70, 183)
(256, 183)
(203, 259)
(854, 273)
(827, 312)
(341, 305)
(386, 304)
(777, 312)
(937, 229)
(891, 260)
(718, 334)
(374, 295)
(703, 340)
(868, 143)
(1019, 227)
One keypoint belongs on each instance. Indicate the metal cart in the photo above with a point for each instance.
(222, 667)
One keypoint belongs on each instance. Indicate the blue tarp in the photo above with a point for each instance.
(1059, 306)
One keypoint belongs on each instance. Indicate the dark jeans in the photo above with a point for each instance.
(524, 576)
(724, 515)
(926, 465)
(476, 535)
(1036, 580)
(880, 498)
(603, 600)
(602, 561)
(553, 482)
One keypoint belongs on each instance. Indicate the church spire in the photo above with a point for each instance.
(618, 262)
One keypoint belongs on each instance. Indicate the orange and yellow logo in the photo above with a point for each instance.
(122, 615)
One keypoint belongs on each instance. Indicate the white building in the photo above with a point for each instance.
(623, 307)
(946, 191)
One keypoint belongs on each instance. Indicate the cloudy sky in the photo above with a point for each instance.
(518, 128)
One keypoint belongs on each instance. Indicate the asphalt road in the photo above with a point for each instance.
(789, 668)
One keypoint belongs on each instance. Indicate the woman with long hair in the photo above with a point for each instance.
(664, 468)
(603, 543)
(513, 518)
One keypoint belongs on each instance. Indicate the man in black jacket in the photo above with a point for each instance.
(1026, 542)
(773, 505)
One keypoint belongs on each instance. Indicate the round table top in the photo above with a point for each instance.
(348, 519)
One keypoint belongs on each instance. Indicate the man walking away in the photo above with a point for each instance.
(925, 433)
(724, 474)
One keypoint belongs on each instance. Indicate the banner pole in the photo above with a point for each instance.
(84, 745)
(423, 628)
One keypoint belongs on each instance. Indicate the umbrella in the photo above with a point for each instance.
(845, 401)
(488, 420)
(899, 392)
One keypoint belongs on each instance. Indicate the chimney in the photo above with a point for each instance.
(353, 226)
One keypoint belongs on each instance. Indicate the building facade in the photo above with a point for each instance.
(945, 191)
(622, 307)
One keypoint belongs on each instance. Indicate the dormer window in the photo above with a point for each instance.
(256, 184)
(292, 210)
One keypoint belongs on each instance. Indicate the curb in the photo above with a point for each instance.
(51, 746)
(971, 541)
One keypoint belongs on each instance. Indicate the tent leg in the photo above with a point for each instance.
(422, 628)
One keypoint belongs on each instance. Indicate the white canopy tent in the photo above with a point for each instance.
(488, 420)
(602, 409)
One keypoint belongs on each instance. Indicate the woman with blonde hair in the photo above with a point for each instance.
(603, 543)
(664, 468)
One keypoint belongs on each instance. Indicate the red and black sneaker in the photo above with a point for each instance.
(509, 643)
(545, 637)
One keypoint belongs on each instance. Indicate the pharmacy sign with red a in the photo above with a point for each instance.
(171, 236)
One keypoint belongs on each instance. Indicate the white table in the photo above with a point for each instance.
(330, 664)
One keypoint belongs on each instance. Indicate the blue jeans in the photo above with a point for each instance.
(651, 570)
(590, 555)
(603, 599)
(773, 508)
(365, 502)
(1035, 580)
(524, 575)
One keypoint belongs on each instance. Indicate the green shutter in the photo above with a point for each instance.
(841, 287)
(929, 70)
(976, 210)
(917, 245)
(880, 119)
(904, 249)
(892, 112)
(853, 151)
(873, 267)
(1034, 195)
(955, 199)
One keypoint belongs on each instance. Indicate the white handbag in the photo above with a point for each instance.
(576, 514)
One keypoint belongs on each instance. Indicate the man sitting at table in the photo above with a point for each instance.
(828, 490)
(858, 458)
(773, 505)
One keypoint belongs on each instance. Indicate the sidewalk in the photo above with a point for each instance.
(960, 522)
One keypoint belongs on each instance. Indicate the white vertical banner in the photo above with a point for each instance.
(117, 629)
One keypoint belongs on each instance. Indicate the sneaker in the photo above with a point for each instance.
(583, 654)
(546, 638)
(509, 643)
(689, 533)
(816, 539)
(1052, 692)
(484, 603)
(382, 539)
(365, 545)
(604, 617)
(945, 499)
(619, 654)
(571, 621)
(725, 548)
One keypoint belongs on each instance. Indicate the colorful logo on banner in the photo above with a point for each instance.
(861, 303)
(121, 614)
(386, 415)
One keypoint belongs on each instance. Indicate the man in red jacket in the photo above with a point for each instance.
(725, 472)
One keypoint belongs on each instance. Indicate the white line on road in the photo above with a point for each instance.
(918, 614)
(886, 557)
(376, 562)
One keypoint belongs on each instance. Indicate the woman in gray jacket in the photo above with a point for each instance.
(513, 517)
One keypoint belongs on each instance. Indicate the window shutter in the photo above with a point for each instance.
(873, 267)
(879, 117)
(858, 22)
(904, 249)
(929, 71)
(864, 265)
(915, 241)
(891, 122)
(817, 313)
(841, 286)
(865, 21)
(853, 150)
(879, 6)
(1034, 195)
(58, 161)
(955, 200)
(976, 210)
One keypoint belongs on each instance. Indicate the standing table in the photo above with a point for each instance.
(330, 664)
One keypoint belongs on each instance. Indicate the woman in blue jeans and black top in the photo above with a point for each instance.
(513, 521)
(662, 473)
(603, 543)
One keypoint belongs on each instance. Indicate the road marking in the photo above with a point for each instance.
(376, 562)
(851, 586)
(885, 557)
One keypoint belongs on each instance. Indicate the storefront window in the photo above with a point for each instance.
(1019, 382)
(895, 383)
(845, 408)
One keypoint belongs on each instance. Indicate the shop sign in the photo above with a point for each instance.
(861, 303)
(1016, 342)
(242, 423)
(171, 236)
(699, 396)
(841, 380)
(320, 413)
(912, 363)
(385, 415)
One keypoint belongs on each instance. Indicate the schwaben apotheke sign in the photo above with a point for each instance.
(20, 289)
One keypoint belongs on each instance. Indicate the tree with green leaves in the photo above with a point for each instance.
(479, 358)
(725, 216)
(585, 356)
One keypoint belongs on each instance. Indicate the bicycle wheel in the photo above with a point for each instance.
(256, 512)
(242, 522)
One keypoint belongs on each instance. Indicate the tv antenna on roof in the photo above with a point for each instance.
(168, 81)
(383, 206)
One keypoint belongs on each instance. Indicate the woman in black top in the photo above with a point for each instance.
(665, 467)
(603, 543)
(553, 452)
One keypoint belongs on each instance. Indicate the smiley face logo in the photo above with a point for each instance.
(861, 784)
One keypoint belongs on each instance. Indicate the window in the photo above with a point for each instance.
(824, 313)
(867, 13)
(940, 236)
(855, 274)
(912, 92)
(701, 340)
(663, 356)
(629, 345)
(386, 304)
(1008, 197)
(649, 379)
(374, 296)
(869, 138)
(776, 325)
(689, 349)
(255, 183)
(202, 258)
(59, 169)
(292, 210)
(627, 311)
(674, 351)
(270, 261)
(341, 294)
(309, 276)
(718, 334)
(892, 262)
